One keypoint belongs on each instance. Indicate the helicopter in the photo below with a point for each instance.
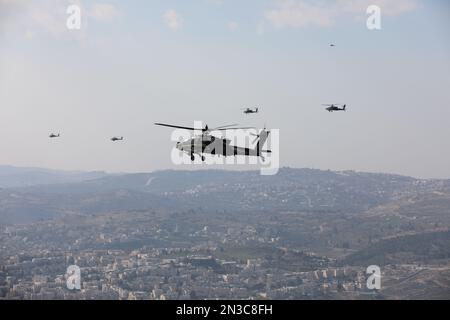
(52, 135)
(250, 110)
(206, 143)
(114, 139)
(335, 107)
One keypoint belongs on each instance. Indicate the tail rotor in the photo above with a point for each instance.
(257, 136)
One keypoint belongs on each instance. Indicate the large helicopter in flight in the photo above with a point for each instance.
(114, 139)
(52, 135)
(250, 110)
(207, 143)
(335, 107)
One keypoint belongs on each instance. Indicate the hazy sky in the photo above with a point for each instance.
(134, 63)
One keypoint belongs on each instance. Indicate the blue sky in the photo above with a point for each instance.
(138, 62)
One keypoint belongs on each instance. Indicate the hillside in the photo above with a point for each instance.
(291, 190)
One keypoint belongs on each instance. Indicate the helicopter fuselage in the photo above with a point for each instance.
(209, 144)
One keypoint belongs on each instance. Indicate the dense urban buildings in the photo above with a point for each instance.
(307, 234)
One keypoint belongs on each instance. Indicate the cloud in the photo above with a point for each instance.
(300, 13)
(48, 16)
(233, 26)
(103, 12)
(323, 13)
(28, 17)
(388, 7)
(173, 20)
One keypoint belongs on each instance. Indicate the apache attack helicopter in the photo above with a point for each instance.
(335, 107)
(250, 110)
(206, 143)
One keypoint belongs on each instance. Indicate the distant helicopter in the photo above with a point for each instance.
(52, 135)
(114, 139)
(335, 107)
(206, 143)
(250, 110)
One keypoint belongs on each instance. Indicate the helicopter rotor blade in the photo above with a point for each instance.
(226, 126)
(206, 129)
(240, 128)
(256, 137)
(177, 127)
